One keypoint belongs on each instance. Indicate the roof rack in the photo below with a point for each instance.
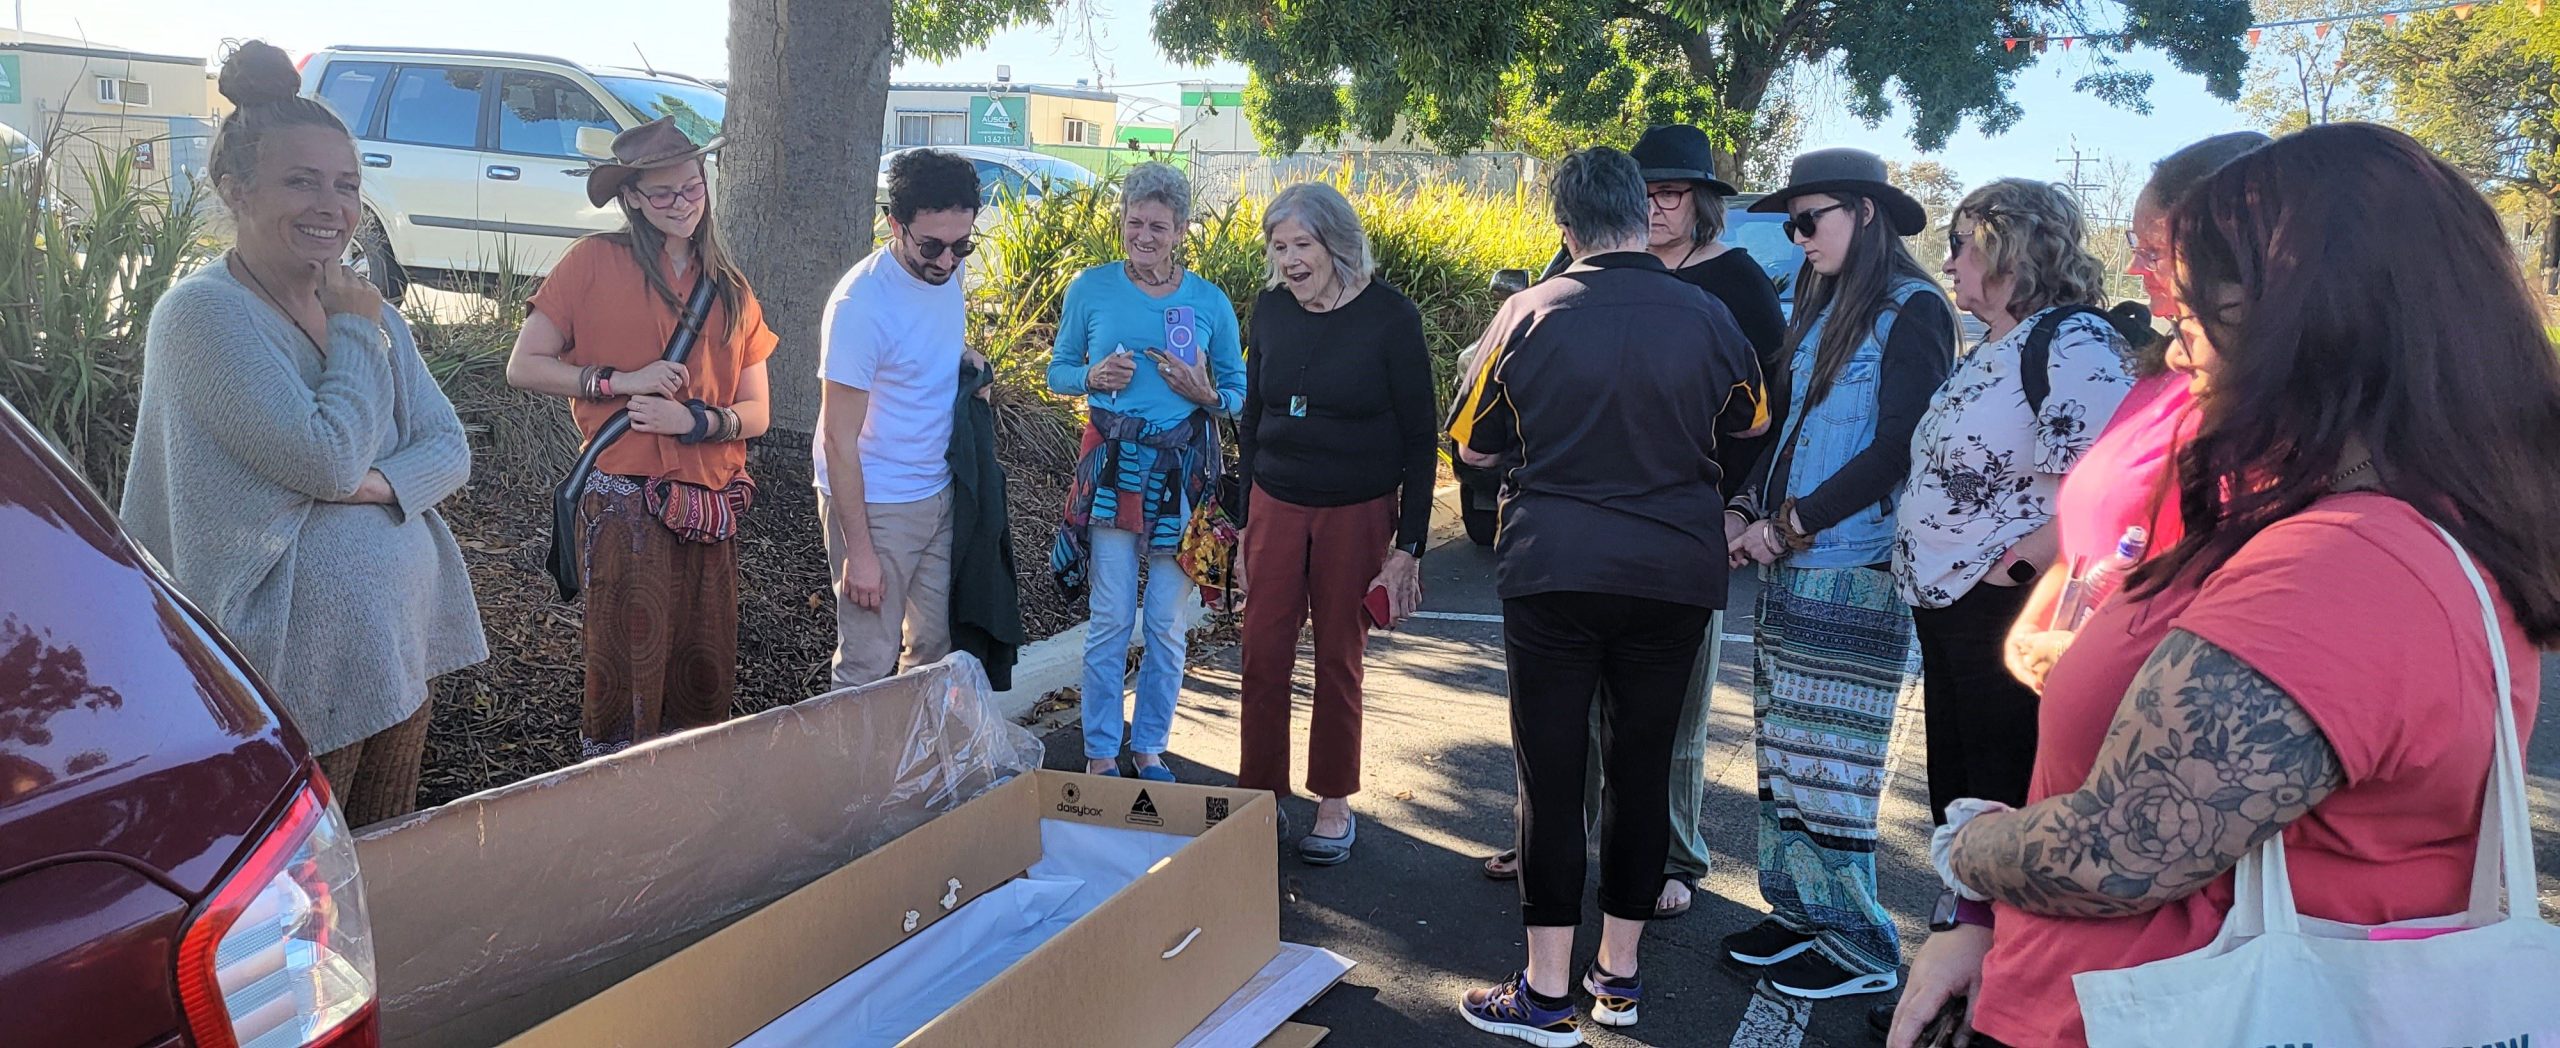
(456, 52)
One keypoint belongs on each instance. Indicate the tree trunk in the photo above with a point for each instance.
(808, 90)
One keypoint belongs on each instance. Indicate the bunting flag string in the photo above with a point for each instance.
(2257, 33)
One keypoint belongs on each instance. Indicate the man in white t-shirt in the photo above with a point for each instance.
(893, 341)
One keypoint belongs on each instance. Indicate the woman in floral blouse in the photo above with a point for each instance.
(1976, 524)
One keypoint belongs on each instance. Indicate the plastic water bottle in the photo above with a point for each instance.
(2091, 591)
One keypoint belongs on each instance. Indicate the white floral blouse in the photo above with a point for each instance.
(1985, 473)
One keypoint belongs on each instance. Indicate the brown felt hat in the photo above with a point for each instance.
(655, 144)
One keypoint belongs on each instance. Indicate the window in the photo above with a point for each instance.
(933, 129)
(351, 88)
(539, 115)
(996, 181)
(698, 110)
(435, 106)
(114, 92)
(1082, 132)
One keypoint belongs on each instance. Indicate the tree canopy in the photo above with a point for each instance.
(1461, 73)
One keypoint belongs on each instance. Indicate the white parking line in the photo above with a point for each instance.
(1458, 616)
(1772, 1022)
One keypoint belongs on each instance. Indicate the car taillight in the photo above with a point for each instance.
(282, 955)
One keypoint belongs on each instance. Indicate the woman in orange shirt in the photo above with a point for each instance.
(659, 520)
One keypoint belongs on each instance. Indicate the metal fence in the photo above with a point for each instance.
(1218, 178)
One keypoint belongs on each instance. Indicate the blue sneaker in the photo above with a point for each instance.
(1613, 999)
(1508, 1010)
(1155, 773)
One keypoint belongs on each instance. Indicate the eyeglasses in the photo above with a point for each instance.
(933, 249)
(666, 198)
(2142, 256)
(1807, 222)
(1669, 198)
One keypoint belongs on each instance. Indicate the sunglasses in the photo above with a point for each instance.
(1809, 221)
(666, 198)
(1669, 198)
(933, 249)
(1956, 243)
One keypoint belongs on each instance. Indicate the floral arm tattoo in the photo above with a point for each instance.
(2206, 760)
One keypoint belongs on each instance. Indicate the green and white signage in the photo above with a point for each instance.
(9, 94)
(999, 120)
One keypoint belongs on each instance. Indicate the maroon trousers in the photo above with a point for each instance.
(1302, 562)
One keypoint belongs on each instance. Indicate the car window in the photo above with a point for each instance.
(1062, 172)
(996, 181)
(1765, 236)
(698, 110)
(539, 114)
(435, 106)
(350, 88)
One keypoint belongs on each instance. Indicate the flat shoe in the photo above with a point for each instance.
(1329, 851)
(1155, 773)
(1493, 867)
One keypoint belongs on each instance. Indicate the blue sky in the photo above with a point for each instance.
(691, 35)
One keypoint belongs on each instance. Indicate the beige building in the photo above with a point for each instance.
(86, 103)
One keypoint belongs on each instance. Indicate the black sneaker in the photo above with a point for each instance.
(1815, 977)
(1766, 943)
(1613, 998)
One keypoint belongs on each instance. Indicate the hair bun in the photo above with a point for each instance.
(259, 73)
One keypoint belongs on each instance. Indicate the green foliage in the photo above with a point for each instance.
(2480, 91)
(1436, 242)
(938, 30)
(74, 301)
(2300, 75)
(1461, 72)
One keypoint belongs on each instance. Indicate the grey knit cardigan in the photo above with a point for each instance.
(246, 444)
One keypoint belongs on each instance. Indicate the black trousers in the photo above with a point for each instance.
(1981, 721)
(1561, 647)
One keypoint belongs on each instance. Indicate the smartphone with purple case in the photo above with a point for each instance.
(1182, 335)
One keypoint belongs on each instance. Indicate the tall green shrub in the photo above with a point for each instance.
(74, 299)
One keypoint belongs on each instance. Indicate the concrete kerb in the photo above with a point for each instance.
(1052, 663)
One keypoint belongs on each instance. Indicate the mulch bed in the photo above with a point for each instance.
(516, 715)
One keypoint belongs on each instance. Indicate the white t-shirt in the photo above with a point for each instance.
(899, 339)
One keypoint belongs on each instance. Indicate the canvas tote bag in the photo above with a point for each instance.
(2489, 976)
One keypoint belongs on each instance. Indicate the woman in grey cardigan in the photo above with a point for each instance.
(291, 448)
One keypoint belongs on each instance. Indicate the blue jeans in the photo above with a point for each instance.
(1114, 606)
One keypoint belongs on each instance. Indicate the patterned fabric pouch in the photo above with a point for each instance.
(696, 513)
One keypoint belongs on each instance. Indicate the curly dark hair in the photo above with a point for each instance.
(923, 180)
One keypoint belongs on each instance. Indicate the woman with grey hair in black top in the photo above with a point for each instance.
(1338, 462)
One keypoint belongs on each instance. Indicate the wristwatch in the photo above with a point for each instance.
(1955, 911)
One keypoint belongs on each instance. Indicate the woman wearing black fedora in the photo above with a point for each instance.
(1871, 340)
(1685, 230)
(661, 511)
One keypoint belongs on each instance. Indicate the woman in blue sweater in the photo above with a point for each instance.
(1153, 349)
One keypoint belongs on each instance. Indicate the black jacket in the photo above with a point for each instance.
(986, 604)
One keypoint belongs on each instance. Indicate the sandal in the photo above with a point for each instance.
(1504, 866)
(1661, 912)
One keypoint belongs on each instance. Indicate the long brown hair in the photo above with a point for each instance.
(1863, 291)
(648, 247)
(264, 90)
(2414, 337)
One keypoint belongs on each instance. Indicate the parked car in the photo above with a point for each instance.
(476, 161)
(172, 871)
(1003, 171)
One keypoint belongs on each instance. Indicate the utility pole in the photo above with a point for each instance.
(2077, 160)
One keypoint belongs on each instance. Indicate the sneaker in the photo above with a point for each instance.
(1508, 1010)
(1816, 977)
(1613, 998)
(1766, 943)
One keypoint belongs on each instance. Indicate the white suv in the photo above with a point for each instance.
(476, 161)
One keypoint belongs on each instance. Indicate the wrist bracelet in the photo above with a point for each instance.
(587, 383)
(604, 383)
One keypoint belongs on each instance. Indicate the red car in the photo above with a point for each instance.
(172, 871)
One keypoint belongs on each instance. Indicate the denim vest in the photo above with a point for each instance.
(1827, 435)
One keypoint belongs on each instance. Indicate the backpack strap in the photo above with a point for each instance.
(2035, 360)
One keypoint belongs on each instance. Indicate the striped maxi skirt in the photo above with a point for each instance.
(1832, 655)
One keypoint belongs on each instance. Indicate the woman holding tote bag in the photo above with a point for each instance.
(2308, 660)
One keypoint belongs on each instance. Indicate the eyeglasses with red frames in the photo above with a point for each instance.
(1670, 197)
(690, 192)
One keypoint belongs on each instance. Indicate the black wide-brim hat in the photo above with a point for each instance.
(1679, 153)
(1850, 171)
(649, 146)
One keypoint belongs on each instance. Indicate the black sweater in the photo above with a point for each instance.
(1338, 407)
(1736, 279)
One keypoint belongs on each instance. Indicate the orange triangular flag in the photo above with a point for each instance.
(2066, 43)
(2462, 10)
(2321, 30)
(2254, 34)
(2391, 21)
(2009, 43)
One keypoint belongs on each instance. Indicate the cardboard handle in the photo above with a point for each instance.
(1185, 944)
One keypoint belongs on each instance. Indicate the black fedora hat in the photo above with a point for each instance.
(1679, 153)
(1848, 170)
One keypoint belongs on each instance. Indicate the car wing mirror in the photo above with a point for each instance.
(1508, 282)
(595, 143)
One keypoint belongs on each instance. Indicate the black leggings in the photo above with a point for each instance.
(1981, 721)
(1560, 648)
